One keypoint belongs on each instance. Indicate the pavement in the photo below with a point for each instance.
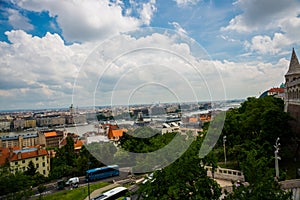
(97, 192)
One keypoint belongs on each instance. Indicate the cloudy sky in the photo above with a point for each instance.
(100, 52)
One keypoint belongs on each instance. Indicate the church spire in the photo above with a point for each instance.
(294, 64)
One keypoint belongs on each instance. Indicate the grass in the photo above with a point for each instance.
(78, 193)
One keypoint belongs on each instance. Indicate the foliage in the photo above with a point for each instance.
(15, 185)
(67, 163)
(256, 125)
(183, 179)
(145, 139)
(251, 132)
(31, 169)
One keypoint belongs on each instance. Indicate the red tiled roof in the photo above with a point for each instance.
(5, 154)
(117, 133)
(50, 134)
(279, 90)
(78, 144)
(30, 154)
(193, 119)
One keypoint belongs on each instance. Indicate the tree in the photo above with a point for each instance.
(183, 179)
(256, 125)
(31, 169)
(260, 177)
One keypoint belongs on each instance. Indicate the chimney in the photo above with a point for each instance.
(0, 152)
(19, 155)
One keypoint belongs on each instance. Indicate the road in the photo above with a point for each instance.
(52, 187)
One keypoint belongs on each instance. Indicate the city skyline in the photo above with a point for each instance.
(55, 53)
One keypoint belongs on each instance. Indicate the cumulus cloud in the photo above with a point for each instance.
(279, 18)
(41, 71)
(34, 68)
(88, 20)
(18, 21)
(261, 14)
(253, 78)
(267, 45)
(147, 11)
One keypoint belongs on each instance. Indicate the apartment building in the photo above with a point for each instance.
(18, 159)
(22, 140)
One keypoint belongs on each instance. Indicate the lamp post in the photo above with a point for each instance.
(88, 177)
(224, 141)
(277, 144)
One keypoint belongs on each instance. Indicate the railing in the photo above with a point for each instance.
(225, 174)
(292, 185)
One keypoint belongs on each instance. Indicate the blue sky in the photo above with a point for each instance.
(54, 53)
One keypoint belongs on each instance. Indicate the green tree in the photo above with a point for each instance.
(260, 177)
(31, 169)
(183, 179)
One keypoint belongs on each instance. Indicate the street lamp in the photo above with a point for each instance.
(277, 144)
(224, 140)
(88, 177)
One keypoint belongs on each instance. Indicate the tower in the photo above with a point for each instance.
(292, 92)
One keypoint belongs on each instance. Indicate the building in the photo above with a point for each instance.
(76, 139)
(19, 159)
(19, 124)
(22, 140)
(277, 92)
(54, 137)
(76, 119)
(50, 121)
(292, 92)
(5, 125)
(30, 123)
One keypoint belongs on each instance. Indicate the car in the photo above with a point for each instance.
(73, 181)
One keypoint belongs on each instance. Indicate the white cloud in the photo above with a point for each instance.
(275, 22)
(86, 20)
(178, 27)
(147, 11)
(267, 45)
(261, 14)
(186, 2)
(35, 69)
(18, 21)
(41, 71)
(250, 79)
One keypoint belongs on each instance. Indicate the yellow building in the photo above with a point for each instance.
(19, 159)
(30, 123)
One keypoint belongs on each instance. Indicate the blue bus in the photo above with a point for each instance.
(102, 172)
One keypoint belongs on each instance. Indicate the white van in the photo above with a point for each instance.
(73, 181)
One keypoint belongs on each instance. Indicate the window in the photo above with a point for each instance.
(43, 164)
(23, 161)
(23, 168)
(44, 172)
(37, 165)
(43, 157)
(16, 163)
(37, 158)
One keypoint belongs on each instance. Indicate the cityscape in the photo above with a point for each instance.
(148, 99)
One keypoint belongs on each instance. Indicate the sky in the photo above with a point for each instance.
(100, 52)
